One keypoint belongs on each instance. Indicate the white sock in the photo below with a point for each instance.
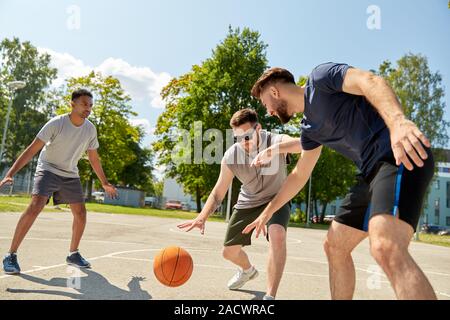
(249, 270)
(71, 253)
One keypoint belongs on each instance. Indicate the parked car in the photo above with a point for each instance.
(174, 205)
(429, 228)
(329, 218)
(98, 196)
(444, 232)
(185, 206)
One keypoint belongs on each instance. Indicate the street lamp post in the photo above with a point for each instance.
(13, 86)
(309, 202)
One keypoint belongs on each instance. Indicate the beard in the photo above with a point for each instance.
(282, 112)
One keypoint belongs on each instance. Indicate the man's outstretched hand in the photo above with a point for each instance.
(7, 181)
(259, 225)
(196, 223)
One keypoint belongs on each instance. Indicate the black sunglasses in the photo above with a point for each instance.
(246, 137)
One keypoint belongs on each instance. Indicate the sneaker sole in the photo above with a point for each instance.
(75, 265)
(11, 273)
(240, 286)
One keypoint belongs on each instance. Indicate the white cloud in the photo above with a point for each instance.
(145, 124)
(140, 82)
(67, 66)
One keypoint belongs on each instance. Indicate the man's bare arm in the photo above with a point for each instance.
(218, 193)
(26, 156)
(406, 138)
(293, 184)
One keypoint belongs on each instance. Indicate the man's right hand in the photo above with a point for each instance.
(196, 223)
(6, 181)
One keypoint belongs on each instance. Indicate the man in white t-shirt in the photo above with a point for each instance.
(63, 140)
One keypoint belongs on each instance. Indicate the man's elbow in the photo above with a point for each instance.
(372, 81)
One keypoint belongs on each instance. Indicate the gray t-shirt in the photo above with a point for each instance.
(259, 185)
(65, 144)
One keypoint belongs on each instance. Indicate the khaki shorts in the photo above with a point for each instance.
(243, 217)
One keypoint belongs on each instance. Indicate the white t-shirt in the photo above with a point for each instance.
(65, 144)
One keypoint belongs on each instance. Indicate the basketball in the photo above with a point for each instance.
(173, 266)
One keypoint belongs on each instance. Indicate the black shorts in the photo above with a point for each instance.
(64, 190)
(388, 189)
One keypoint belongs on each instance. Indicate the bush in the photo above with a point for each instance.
(298, 217)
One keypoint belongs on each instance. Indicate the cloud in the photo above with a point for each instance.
(145, 124)
(141, 83)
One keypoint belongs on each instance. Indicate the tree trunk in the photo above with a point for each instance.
(322, 215)
(198, 200)
(91, 182)
(316, 209)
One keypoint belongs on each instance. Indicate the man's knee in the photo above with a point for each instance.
(277, 235)
(79, 211)
(335, 249)
(37, 205)
(229, 253)
(386, 253)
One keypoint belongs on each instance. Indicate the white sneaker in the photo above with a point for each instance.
(241, 278)
(266, 297)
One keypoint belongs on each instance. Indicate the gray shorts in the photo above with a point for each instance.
(63, 190)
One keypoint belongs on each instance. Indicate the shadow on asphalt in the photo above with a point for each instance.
(94, 286)
(258, 295)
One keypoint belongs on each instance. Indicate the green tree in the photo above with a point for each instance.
(22, 61)
(421, 94)
(210, 93)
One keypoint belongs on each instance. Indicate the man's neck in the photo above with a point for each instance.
(75, 119)
(298, 98)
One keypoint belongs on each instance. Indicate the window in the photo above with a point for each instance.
(436, 211)
(436, 216)
(333, 210)
(448, 194)
(448, 221)
(438, 184)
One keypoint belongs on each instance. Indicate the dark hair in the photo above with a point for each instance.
(80, 93)
(243, 116)
(271, 75)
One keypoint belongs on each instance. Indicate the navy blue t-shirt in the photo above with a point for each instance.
(344, 122)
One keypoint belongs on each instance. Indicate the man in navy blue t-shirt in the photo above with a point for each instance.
(357, 114)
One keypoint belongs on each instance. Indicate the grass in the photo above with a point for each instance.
(434, 239)
(19, 203)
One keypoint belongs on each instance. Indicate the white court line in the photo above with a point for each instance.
(443, 294)
(114, 254)
(232, 268)
(83, 240)
(294, 241)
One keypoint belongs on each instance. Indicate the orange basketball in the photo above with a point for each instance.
(173, 266)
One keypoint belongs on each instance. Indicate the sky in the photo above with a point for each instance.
(146, 43)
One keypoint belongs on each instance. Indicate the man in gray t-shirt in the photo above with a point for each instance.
(63, 140)
(258, 160)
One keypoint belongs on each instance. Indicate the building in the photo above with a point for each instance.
(127, 197)
(437, 208)
(174, 191)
